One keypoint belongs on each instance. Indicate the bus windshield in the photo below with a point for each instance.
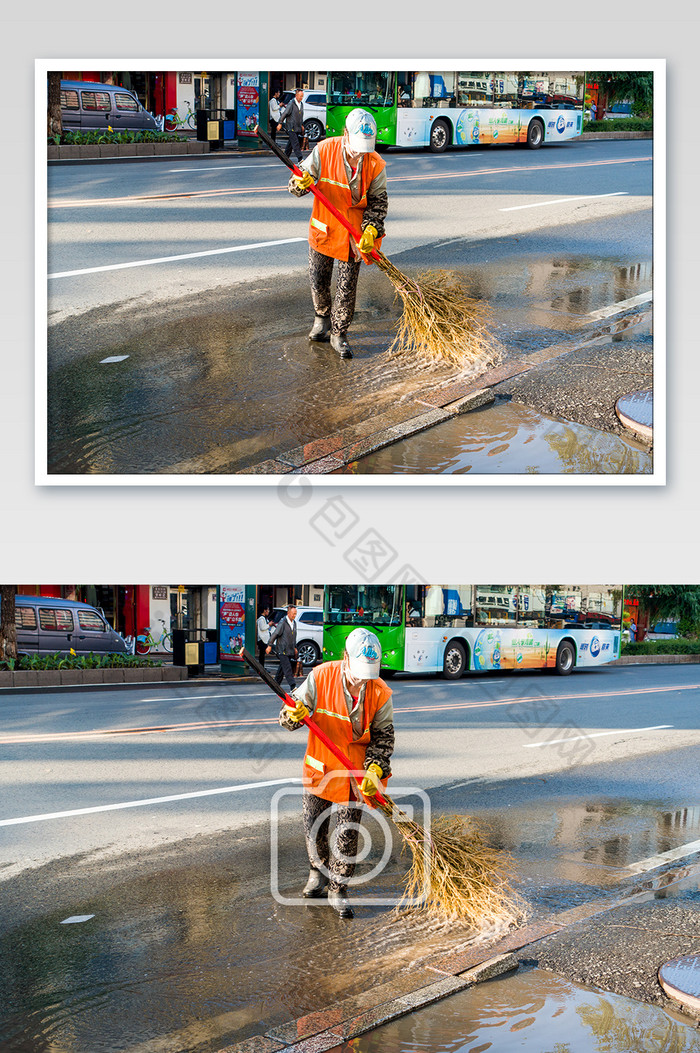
(363, 605)
(361, 89)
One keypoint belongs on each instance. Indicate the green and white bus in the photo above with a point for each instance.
(460, 109)
(450, 629)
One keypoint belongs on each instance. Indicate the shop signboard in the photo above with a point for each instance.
(248, 103)
(231, 622)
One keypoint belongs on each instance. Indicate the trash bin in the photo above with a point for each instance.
(211, 652)
(202, 119)
(179, 641)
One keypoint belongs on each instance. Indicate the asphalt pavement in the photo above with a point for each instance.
(178, 297)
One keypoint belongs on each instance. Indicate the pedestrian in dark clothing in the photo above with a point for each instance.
(285, 636)
(293, 116)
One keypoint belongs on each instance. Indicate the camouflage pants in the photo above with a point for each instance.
(317, 817)
(341, 308)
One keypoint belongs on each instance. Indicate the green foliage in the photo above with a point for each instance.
(74, 661)
(662, 647)
(616, 85)
(620, 124)
(660, 603)
(97, 138)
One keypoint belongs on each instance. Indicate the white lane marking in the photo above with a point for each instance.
(595, 735)
(113, 358)
(562, 200)
(663, 857)
(621, 305)
(76, 919)
(222, 168)
(196, 698)
(143, 804)
(184, 256)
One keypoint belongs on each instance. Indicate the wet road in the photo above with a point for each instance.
(160, 364)
(187, 947)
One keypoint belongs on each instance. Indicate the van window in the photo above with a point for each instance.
(312, 617)
(25, 618)
(69, 99)
(125, 102)
(95, 100)
(91, 620)
(55, 618)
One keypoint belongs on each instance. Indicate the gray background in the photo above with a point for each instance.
(212, 533)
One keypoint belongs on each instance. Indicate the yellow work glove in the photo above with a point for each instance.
(303, 182)
(370, 783)
(297, 712)
(366, 242)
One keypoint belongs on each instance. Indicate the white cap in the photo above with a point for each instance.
(361, 129)
(364, 654)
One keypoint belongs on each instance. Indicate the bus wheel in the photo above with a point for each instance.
(535, 134)
(566, 658)
(454, 662)
(439, 137)
(387, 674)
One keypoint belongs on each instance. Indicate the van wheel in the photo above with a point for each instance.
(535, 134)
(313, 130)
(566, 658)
(439, 137)
(454, 661)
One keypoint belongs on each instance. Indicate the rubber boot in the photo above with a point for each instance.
(338, 899)
(316, 885)
(340, 344)
(320, 329)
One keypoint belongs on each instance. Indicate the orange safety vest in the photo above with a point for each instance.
(326, 234)
(331, 715)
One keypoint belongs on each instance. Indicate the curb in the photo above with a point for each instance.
(616, 135)
(657, 659)
(332, 452)
(311, 1034)
(193, 155)
(322, 1031)
(187, 681)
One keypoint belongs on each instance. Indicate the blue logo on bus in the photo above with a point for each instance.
(561, 124)
(595, 647)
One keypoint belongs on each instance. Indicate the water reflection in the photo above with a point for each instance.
(535, 1011)
(512, 438)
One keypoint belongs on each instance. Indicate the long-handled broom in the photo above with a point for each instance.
(440, 321)
(454, 873)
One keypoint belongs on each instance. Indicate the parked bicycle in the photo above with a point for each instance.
(146, 642)
(173, 120)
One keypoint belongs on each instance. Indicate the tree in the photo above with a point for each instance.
(626, 84)
(54, 125)
(658, 603)
(8, 631)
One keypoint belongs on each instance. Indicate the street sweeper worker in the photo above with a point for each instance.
(353, 177)
(352, 705)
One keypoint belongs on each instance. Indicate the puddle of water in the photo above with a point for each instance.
(537, 1011)
(197, 957)
(218, 389)
(508, 437)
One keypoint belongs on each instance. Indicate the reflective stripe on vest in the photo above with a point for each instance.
(326, 234)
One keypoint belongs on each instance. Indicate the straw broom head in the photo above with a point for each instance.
(440, 321)
(455, 874)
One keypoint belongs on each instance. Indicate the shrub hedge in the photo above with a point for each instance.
(621, 124)
(662, 647)
(74, 661)
(97, 137)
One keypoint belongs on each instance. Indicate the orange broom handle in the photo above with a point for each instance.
(314, 190)
(314, 728)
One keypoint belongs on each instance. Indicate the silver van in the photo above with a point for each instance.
(46, 625)
(89, 106)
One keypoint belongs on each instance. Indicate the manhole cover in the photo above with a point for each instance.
(636, 411)
(680, 979)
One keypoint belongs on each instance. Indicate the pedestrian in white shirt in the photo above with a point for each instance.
(274, 113)
(263, 634)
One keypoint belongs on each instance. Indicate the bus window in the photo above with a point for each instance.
(361, 89)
